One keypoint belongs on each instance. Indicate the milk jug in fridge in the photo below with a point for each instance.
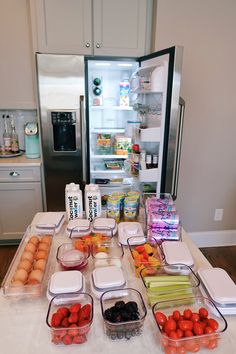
(74, 201)
(93, 204)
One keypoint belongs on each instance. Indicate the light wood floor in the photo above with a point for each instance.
(223, 257)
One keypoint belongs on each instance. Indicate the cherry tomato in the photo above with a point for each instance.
(208, 330)
(181, 350)
(185, 325)
(213, 323)
(160, 318)
(197, 329)
(203, 312)
(169, 326)
(203, 324)
(212, 344)
(173, 335)
(170, 350)
(187, 314)
(180, 333)
(195, 317)
(176, 315)
(192, 346)
(188, 333)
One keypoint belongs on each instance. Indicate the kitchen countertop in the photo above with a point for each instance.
(24, 331)
(19, 161)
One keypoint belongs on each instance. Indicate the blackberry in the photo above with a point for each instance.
(119, 305)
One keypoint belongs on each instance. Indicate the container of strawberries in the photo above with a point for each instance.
(69, 318)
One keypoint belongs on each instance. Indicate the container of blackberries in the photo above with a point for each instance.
(123, 312)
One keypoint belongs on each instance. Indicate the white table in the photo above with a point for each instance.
(23, 329)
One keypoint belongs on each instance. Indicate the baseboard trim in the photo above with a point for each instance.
(214, 238)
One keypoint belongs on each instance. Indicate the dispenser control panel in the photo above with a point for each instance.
(63, 118)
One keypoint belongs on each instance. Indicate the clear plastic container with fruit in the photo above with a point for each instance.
(144, 252)
(123, 313)
(189, 324)
(27, 272)
(89, 239)
(106, 253)
(73, 258)
(169, 282)
(69, 318)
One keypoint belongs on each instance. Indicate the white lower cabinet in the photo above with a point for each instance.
(21, 199)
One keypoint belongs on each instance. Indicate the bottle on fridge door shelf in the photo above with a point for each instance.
(6, 135)
(124, 93)
(93, 204)
(74, 202)
(135, 160)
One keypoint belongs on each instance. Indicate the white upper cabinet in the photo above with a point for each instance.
(100, 27)
(16, 60)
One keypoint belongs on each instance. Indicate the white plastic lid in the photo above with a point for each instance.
(78, 225)
(104, 222)
(72, 256)
(177, 252)
(108, 277)
(66, 282)
(127, 230)
(219, 285)
(50, 220)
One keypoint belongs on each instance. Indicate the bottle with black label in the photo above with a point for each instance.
(148, 161)
(154, 161)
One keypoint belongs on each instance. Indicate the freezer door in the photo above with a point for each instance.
(62, 124)
(168, 82)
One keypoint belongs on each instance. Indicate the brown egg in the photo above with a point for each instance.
(34, 240)
(27, 255)
(17, 282)
(41, 255)
(21, 275)
(25, 264)
(33, 282)
(40, 264)
(43, 246)
(36, 275)
(47, 239)
(30, 247)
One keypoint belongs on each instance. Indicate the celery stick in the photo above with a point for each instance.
(167, 278)
(160, 284)
(169, 288)
(174, 296)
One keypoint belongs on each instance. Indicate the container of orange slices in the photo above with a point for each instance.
(144, 252)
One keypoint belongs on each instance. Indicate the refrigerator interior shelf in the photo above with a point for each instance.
(108, 130)
(145, 70)
(150, 134)
(106, 172)
(150, 175)
(142, 91)
(115, 108)
(109, 156)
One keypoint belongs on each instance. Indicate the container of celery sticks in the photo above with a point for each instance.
(170, 282)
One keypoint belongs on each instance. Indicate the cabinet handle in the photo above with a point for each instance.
(98, 45)
(14, 174)
(87, 45)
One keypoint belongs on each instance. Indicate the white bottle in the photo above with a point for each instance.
(93, 204)
(74, 202)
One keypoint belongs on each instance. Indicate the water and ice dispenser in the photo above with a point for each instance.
(64, 130)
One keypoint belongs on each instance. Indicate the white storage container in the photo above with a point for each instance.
(48, 222)
(127, 230)
(177, 252)
(105, 226)
(78, 227)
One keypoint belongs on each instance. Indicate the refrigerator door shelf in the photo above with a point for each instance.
(109, 156)
(115, 108)
(150, 175)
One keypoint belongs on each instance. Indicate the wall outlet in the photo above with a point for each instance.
(218, 214)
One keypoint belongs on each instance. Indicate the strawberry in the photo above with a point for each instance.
(56, 339)
(67, 340)
(75, 308)
(60, 333)
(79, 339)
(85, 312)
(73, 318)
(64, 311)
(65, 323)
(56, 319)
(83, 326)
(73, 331)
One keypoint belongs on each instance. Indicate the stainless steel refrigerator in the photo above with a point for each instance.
(90, 106)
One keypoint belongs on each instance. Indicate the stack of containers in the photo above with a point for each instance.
(163, 222)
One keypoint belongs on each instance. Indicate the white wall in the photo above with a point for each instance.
(207, 30)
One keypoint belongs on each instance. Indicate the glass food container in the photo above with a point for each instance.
(73, 257)
(107, 253)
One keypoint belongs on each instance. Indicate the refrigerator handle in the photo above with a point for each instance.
(178, 148)
(83, 137)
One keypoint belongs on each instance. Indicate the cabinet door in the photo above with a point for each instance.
(16, 62)
(120, 27)
(62, 26)
(19, 203)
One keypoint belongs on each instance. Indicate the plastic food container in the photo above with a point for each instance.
(107, 278)
(177, 252)
(49, 222)
(78, 228)
(129, 229)
(169, 282)
(73, 307)
(129, 325)
(72, 281)
(71, 258)
(195, 343)
(28, 270)
(144, 252)
(221, 289)
(106, 226)
(107, 253)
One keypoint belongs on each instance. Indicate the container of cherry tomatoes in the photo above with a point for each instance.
(189, 325)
